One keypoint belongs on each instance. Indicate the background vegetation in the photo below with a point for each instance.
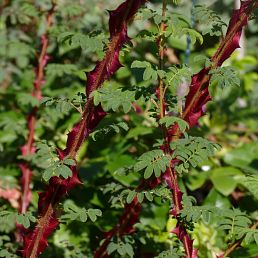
(224, 187)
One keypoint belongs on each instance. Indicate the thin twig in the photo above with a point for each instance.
(238, 243)
(28, 148)
(177, 198)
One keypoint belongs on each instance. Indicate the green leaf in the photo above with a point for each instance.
(149, 72)
(236, 223)
(83, 215)
(89, 43)
(64, 171)
(27, 99)
(112, 247)
(171, 120)
(130, 196)
(73, 212)
(129, 249)
(140, 197)
(140, 64)
(148, 196)
(192, 151)
(69, 162)
(148, 171)
(5, 253)
(194, 35)
(225, 76)
(25, 219)
(243, 157)
(225, 179)
(59, 70)
(111, 98)
(174, 253)
(93, 213)
(251, 183)
(212, 23)
(48, 173)
(176, 75)
(153, 161)
(100, 133)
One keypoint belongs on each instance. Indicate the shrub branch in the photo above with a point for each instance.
(196, 100)
(35, 241)
(28, 148)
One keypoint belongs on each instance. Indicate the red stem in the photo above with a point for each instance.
(197, 97)
(28, 148)
(36, 240)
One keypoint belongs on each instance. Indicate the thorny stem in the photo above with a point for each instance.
(88, 109)
(223, 47)
(72, 152)
(237, 243)
(37, 236)
(27, 148)
(177, 199)
(191, 106)
(120, 228)
(161, 58)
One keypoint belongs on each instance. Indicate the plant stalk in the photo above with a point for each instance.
(195, 100)
(36, 240)
(28, 148)
(238, 243)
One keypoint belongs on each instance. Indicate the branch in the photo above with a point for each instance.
(196, 100)
(28, 148)
(36, 241)
(170, 175)
(127, 220)
(238, 243)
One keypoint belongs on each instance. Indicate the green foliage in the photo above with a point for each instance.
(21, 14)
(171, 120)
(91, 43)
(120, 196)
(251, 183)
(225, 77)
(5, 253)
(236, 223)
(226, 179)
(8, 218)
(25, 219)
(114, 99)
(149, 73)
(193, 213)
(62, 106)
(193, 34)
(243, 157)
(180, 27)
(59, 70)
(110, 128)
(27, 99)
(70, 10)
(154, 161)
(12, 126)
(192, 151)
(140, 195)
(121, 145)
(57, 169)
(213, 22)
(73, 212)
(174, 253)
(122, 248)
(176, 75)
(52, 165)
(7, 221)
